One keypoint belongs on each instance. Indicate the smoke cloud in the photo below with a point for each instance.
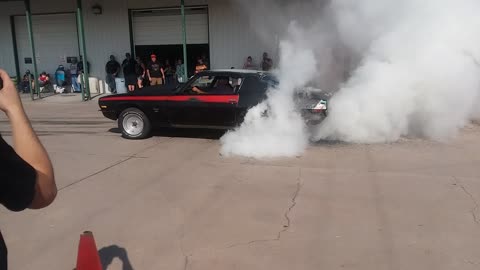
(399, 68)
(275, 127)
(418, 75)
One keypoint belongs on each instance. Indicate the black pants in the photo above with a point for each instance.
(111, 82)
(169, 80)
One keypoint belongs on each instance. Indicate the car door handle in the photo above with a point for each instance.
(194, 99)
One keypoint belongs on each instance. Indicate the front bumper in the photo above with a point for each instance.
(109, 114)
(313, 118)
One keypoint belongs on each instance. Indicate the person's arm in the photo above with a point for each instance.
(27, 145)
(198, 90)
(148, 75)
(163, 73)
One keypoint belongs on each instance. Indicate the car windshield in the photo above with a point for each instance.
(271, 81)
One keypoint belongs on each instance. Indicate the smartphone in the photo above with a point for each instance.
(1, 84)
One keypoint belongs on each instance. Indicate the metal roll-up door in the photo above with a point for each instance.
(55, 37)
(164, 27)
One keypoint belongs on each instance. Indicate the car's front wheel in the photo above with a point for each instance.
(134, 124)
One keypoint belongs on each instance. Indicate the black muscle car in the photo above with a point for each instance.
(217, 99)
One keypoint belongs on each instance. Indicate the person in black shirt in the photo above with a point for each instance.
(130, 73)
(26, 173)
(155, 71)
(112, 69)
(169, 73)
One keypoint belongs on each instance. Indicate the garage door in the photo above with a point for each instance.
(164, 27)
(55, 39)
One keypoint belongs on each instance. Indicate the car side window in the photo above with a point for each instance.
(203, 81)
(236, 83)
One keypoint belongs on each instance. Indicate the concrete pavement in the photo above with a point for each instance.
(172, 202)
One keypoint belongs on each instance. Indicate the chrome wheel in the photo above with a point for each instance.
(133, 125)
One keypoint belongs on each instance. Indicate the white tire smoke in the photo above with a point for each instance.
(275, 128)
(399, 68)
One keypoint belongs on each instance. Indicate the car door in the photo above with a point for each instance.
(190, 109)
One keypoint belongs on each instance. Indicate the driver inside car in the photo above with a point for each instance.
(222, 87)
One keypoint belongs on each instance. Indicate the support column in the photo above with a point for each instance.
(28, 14)
(83, 52)
(184, 35)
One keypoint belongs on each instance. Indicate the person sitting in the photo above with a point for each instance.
(44, 82)
(28, 82)
(221, 87)
(60, 79)
(201, 66)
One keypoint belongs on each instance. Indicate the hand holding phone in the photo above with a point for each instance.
(9, 98)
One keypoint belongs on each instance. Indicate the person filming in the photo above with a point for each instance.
(26, 172)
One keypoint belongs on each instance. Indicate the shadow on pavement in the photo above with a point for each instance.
(107, 254)
(328, 143)
(210, 134)
(115, 130)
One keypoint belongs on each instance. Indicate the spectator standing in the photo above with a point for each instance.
(28, 82)
(74, 76)
(169, 73)
(155, 72)
(180, 72)
(127, 57)
(26, 172)
(81, 68)
(267, 62)
(81, 72)
(200, 66)
(112, 68)
(140, 71)
(249, 64)
(129, 71)
(205, 59)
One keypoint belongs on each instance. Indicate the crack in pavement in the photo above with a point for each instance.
(475, 203)
(286, 215)
(286, 226)
(187, 258)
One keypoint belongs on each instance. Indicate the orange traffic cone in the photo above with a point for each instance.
(88, 258)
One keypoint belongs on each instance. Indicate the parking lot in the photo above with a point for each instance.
(172, 202)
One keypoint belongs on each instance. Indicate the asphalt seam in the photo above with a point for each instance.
(472, 198)
(109, 167)
(96, 173)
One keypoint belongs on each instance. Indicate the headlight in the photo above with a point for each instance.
(321, 106)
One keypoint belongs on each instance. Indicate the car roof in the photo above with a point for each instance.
(234, 72)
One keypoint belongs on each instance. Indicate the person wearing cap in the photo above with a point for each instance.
(155, 72)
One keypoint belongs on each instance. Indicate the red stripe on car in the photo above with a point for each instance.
(212, 99)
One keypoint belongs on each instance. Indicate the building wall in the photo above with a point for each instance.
(139, 4)
(106, 34)
(7, 59)
(232, 38)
